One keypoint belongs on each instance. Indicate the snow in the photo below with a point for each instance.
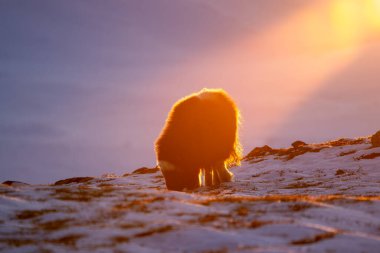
(326, 201)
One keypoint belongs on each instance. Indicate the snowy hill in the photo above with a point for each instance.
(307, 198)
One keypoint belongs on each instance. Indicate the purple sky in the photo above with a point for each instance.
(85, 86)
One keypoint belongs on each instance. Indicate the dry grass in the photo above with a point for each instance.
(283, 198)
(54, 224)
(31, 214)
(314, 239)
(155, 231)
(369, 156)
(298, 185)
(258, 223)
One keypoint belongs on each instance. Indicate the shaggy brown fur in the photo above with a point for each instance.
(200, 134)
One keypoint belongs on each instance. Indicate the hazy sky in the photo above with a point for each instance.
(85, 86)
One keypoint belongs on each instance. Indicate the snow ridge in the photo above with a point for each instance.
(315, 201)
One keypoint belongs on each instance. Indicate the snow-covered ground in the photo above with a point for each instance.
(325, 200)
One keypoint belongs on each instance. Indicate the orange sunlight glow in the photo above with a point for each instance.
(354, 20)
(298, 55)
(274, 71)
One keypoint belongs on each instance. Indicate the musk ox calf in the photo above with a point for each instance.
(199, 141)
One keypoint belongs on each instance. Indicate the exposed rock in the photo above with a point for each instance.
(259, 151)
(288, 153)
(346, 141)
(375, 139)
(298, 144)
(145, 170)
(292, 152)
(339, 172)
(15, 183)
(73, 180)
(299, 148)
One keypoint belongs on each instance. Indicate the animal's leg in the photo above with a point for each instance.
(191, 179)
(222, 173)
(215, 176)
(208, 176)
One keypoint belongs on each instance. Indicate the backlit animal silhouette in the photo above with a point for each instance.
(199, 141)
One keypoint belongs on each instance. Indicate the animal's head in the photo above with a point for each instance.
(178, 179)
